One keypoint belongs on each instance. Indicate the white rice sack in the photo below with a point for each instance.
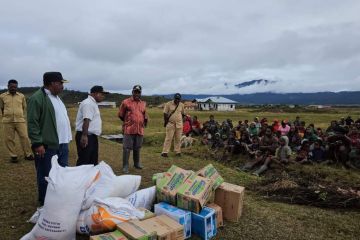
(125, 185)
(105, 214)
(110, 185)
(144, 198)
(64, 195)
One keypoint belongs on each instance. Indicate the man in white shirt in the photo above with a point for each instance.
(88, 127)
(48, 127)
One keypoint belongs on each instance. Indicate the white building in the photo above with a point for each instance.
(215, 104)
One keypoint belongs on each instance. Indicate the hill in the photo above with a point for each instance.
(330, 98)
(72, 97)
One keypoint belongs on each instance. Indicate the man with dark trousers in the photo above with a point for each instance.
(132, 112)
(49, 128)
(88, 127)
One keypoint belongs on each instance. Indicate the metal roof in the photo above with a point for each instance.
(215, 100)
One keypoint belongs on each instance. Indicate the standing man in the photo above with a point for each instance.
(88, 127)
(13, 108)
(173, 113)
(49, 128)
(132, 112)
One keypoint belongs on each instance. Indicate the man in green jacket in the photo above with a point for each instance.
(49, 128)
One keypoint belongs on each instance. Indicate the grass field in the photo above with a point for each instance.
(262, 219)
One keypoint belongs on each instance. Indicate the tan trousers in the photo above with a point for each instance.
(9, 138)
(172, 132)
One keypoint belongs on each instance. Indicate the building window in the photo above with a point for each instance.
(231, 106)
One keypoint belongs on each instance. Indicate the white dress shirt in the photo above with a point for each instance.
(62, 120)
(89, 109)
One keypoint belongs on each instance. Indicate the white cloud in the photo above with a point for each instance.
(183, 46)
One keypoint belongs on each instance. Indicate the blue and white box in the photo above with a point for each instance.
(181, 216)
(203, 224)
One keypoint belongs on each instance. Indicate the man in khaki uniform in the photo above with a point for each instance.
(13, 106)
(173, 121)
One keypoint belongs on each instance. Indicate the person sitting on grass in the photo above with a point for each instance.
(268, 145)
(283, 152)
(253, 130)
(284, 128)
(195, 126)
(303, 154)
(231, 147)
(186, 125)
(318, 153)
(253, 149)
(294, 138)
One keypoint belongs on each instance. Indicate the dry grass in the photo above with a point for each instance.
(261, 219)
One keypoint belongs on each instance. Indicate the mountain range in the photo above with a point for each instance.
(318, 98)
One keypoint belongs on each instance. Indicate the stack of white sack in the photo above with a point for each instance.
(108, 200)
(64, 197)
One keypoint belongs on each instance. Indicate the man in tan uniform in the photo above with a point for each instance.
(173, 121)
(13, 107)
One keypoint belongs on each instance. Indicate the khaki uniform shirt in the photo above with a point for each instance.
(176, 117)
(13, 107)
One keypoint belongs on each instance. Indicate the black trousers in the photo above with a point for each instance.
(89, 154)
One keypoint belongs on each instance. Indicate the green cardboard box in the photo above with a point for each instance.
(194, 193)
(167, 186)
(210, 171)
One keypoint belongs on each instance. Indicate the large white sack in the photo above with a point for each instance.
(64, 195)
(105, 214)
(110, 185)
(144, 198)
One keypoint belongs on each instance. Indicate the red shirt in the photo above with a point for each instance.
(134, 115)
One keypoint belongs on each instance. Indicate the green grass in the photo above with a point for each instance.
(262, 219)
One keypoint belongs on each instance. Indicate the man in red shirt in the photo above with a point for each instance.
(132, 112)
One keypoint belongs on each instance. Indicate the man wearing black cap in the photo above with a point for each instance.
(49, 128)
(173, 121)
(132, 112)
(88, 127)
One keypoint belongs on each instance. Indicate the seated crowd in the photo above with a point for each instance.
(279, 142)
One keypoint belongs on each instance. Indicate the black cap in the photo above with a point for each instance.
(177, 96)
(98, 89)
(137, 88)
(53, 77)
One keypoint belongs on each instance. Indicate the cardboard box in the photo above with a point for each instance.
(181, 216)
(116, 235)
(218, 214)
(230, 198)
(167, 186)
(209, 171)
(204, 223)
(134, 230)
(148, 214)
(194, 193)
(166, 228)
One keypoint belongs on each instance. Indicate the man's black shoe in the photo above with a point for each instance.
(14, 159)
(164, 155)
(29, 158)
(138, 167)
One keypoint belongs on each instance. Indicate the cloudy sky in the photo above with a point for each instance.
(187, 46)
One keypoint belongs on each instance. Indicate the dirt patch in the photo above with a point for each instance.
(308, 189)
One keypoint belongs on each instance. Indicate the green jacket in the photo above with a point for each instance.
(41, 121)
